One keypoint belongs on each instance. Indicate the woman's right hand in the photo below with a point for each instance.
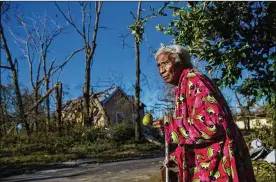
(161, 122)
(169, 163)
(158, 123)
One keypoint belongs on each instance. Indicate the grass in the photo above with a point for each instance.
(21, 154)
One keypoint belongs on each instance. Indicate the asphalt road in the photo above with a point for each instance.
(124, 171)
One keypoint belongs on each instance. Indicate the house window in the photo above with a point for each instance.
(119, 117)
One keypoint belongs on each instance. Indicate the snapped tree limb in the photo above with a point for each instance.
(42, 98)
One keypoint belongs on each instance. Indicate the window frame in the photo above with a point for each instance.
(122, 117)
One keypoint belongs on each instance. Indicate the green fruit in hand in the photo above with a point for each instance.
(147, 119)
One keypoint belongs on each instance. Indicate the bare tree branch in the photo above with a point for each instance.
(69, 19)
(98, 10)
(146, 79)
(38, 74)
(5, 67)
(83, 7)
(5, 7)
(51, 67)
(66, 61)
(123, 40)
(89, 23)
(57, 69)
(133, 16)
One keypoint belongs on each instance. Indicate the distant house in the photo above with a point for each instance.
(111, 106)
(255, 120)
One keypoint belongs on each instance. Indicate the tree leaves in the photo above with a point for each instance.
(231, 37)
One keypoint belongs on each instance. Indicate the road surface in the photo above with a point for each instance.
(124, 171)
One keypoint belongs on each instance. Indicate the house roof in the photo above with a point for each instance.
(105, 95)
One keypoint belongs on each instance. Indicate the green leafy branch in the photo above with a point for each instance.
(137, 29)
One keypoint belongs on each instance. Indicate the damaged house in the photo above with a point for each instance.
(111, 106)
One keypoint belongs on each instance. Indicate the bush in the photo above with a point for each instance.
(264, 171)
(92, 134)
(265, 134)
(122, 132)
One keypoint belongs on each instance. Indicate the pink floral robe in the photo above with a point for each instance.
(206, 134)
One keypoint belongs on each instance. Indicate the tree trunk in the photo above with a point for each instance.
(36, 112)
(248, 123)
(86, 92)
(36, 93)
(89, 55)
(18, 96)
(58, 106)
(101, 117)
(47, 100)
(47, 107)
(2, 121)
(89, 50)
(137, 84)
(60, 103)
(20, 106)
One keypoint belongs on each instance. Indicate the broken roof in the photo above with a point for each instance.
(105, 95)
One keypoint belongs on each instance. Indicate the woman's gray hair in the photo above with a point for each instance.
(180, 54)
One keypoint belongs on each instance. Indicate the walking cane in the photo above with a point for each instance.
(147, 120)
(166, 121)
(167, 159)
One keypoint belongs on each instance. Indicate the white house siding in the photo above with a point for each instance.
(254, 123)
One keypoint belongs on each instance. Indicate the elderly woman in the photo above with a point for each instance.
(210, 146)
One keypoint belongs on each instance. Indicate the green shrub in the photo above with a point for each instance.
(92, 134)
(122, 132)
(264, 171)
(265, 134)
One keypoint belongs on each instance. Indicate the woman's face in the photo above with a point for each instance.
(168, 69)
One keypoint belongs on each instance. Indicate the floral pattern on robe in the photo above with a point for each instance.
(206, 134)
